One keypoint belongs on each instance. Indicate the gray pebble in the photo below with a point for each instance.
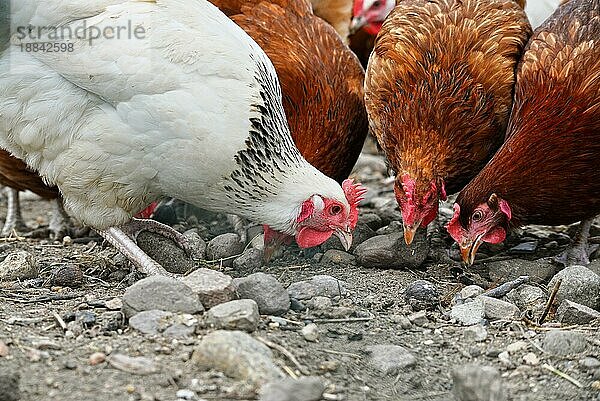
(496, 309)
(18, 265)
(539, 271)
(527, 297)
(238, 355)
(156, 321)
(370, 219)
(224, 246)
(307, 388)
(197, 244)
(320, 303)
(468, 292)
(468, 313)
(421, 294)
(241, 314)
(310, 332)
(589, 363)
(270, 295)
(477, 383)
(570, 312)
(338, 257)
(524, 248)
(560, 342)
(418, 318)
(162, 293)
(475, 333)
(390, 251)
(251, 259)
(211, 286)
(390, 359)
(579, 284)
(9, 386)
(322, 285)
(392, 228)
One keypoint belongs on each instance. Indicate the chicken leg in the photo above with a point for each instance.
(14, 219)
(577, 253)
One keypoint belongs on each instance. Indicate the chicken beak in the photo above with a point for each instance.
(469, 250)
(345, 237)
(357, 23)
(409, 232)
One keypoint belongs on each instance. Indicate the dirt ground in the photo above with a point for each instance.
(55, 367)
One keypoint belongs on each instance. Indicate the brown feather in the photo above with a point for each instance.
(548, 168)
(439, 85)
(337, 13)
(321, 81)
(14, 173)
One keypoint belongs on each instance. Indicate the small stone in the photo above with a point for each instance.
(67, 275)
(85, 318)
(70, 364)
(111, 320)
(504, 358)
(477, 383)
(67, 240)
(310, 332)
(469, 313)
(97, 358)
(329, 366)
(560, 342)
(18, 265)
(165, 251)
(524, 248)
(419, 318)
(579, 284)
(251, 259)
(527, 297)
(422, 294)
(570, 312)
(114, 304)
(475, 333)
(393, 227)
(241, 314)
(162, 293)
(211, 286)
(238, 355)
(296, 305)
(589, 363)
(531, 359)
(223, 247)
(539, 271)
(197, 244)
(185, 394)
(9, 386)
(135, 365)
(338, 257)
(320, 303)
(390, 359)
(516, 346)
(270, 295)
(468, 292)
(370, 219)
(3, 349)
(322, 285)
(307, 388)
(497, 309)
(402, 320)
(150, 321)
(390, 251)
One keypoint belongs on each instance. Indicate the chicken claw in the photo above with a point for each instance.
(136, 226)
(577, 253)
(14, 219)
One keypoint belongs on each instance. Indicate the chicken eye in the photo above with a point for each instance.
(477, 215)
(376, 3)
(335, 209)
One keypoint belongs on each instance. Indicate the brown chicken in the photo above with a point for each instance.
(321, 79)
(438, 92)
(15, 175)
(547, 171)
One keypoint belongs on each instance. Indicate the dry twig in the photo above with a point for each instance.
(562, 374)
(285, 352)
(550, 301)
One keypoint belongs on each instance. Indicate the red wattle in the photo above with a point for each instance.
(309, 237)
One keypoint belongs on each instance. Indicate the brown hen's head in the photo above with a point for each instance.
(487, 222)
(419, 207)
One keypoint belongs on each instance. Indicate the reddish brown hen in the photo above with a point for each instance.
(547, 171)
(438, 92)
(15, 175)
(321, 80)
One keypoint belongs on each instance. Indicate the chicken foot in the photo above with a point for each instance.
(124, 244)
(577, 253)
(14, 219)
(136, 226)
(437, 245)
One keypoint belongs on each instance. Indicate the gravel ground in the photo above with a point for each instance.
(383, 322)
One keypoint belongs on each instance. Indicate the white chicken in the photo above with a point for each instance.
(190, 109)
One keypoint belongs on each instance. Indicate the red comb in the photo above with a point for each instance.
(354, 194)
